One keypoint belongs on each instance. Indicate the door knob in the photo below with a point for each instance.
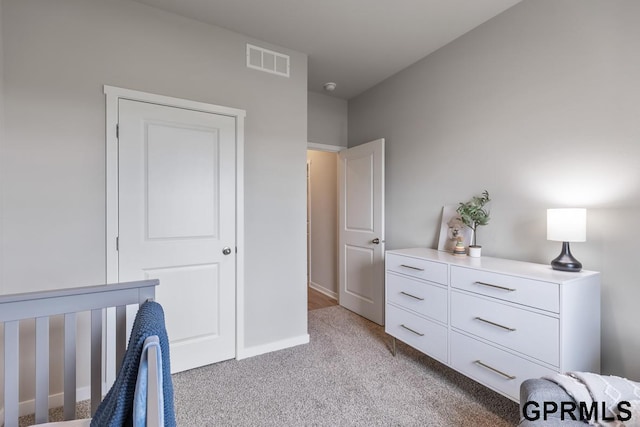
(376, 241)
(226, 250)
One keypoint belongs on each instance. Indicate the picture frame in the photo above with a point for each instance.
(452, 229)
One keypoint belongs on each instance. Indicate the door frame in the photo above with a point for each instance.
(325, 147)
(314, 146)
(113, 95)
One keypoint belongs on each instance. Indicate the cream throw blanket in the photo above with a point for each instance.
(595, 389)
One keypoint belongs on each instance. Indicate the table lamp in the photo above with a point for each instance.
(566, 225)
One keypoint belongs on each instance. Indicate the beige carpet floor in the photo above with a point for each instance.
(346, 376)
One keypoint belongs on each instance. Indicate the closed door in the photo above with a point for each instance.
(361, 230)
(176, 196)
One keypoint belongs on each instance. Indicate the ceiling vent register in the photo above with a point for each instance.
(267, 60)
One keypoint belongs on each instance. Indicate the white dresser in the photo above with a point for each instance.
(497, 321)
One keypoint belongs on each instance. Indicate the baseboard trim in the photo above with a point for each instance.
(323, 290)
(272, 346)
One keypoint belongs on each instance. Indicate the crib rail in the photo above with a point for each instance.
(67, 302)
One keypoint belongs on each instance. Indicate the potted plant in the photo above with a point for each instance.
(474, 214)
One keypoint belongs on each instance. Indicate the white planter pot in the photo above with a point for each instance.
(475, 251)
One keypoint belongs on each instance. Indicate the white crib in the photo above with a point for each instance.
(69, 303)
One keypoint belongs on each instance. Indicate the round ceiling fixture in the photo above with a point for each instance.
(329, 86)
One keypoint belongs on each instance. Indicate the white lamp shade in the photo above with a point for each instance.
(567, 225)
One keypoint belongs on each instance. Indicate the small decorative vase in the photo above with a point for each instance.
(475, 251)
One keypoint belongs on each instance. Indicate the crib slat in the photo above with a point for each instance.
(11, 366)
(121, 334)
(96, 359)
(153, 394)
(70, 366)
(42, 370)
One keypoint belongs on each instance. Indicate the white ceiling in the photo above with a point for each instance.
(355, 43)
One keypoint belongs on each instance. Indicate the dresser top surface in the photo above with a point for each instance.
(498, 265)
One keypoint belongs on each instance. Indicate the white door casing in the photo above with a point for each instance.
(177, 210)
(361, 230)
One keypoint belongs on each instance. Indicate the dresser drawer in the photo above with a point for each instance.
(491, 366)
(420, 268)
(424, 298)
(533, 293)
(534, 334)
(427, 336)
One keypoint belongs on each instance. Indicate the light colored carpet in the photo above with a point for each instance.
(346, 376)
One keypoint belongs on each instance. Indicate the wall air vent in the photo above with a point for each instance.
(267, 60)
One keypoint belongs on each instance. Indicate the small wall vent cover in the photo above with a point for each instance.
(267, 60)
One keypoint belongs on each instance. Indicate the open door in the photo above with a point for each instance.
(361, 230)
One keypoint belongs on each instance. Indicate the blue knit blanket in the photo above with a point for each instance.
(116, 410)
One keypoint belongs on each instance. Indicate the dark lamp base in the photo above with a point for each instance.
(565, 261)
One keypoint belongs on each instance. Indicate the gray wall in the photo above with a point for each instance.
(323, 212)
(57, 57)
(540, 107)
(327, 120)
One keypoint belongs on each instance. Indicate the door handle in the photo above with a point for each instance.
(226, 250)
(377, 241)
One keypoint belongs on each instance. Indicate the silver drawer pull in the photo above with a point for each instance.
(497, 371)
(495, 286)
(412, 296)
(411, 330)
(495, 324)
(413, 268)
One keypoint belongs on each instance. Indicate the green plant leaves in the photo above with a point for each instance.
(473, 212)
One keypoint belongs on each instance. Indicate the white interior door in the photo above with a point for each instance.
(361, 225)
(176, 198)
